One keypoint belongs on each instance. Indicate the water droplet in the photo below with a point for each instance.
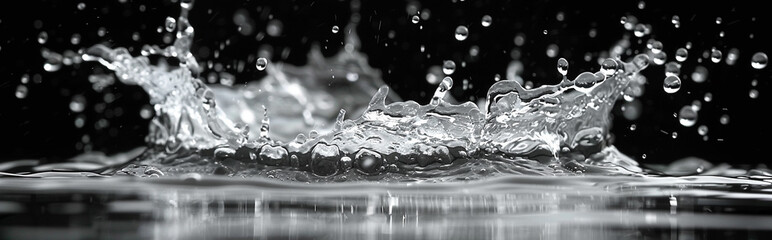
(552, 50)
(275, 27)
(448, 67)
(608, 67)
(702, 130)
(759, 60)
(461, 33)
(415, 19)
(687, 116)
(708, 97)
(78, 103)
(672, 69)
(724, 119)
(81, 6)
(718, 20)
(656, 46)
(21, 91)
(732, 56)
(623, 20)
(170, 24)
(700, 74)
(753, 93)
(672, 84)
(146, 112)
(674, 135)
(640, 30)
(681, 54)
(563, 66)
(261, 64)
(696, 105)
(641, 5)
(715, 55)
(335, 29)
(486, 21)
(659, 58)
(633, 127)
(675, 20)
(42, 37)
(75, 39)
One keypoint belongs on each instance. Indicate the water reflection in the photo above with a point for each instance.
(501, 208)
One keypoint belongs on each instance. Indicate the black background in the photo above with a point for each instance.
(41, 125)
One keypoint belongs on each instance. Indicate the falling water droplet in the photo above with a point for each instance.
(640, 30)
(146, 112)
(42, 37)
(552, 50)
(715, 55)
(708, 97)
(759, 60)
(700, 74)
(21, 91)
(461, 33)
(170, 24)
(486, 21)
(659, 58)
(672, 69)
(681, 54)
(672, 84)
(335, 29)
(719, 20)
(687, 116)
(702, 130)
(81, 6)
(563, 66)
(261, 64)
(676, 21)
(608, 67)
(448, 67)
(656, 46)
(724, 119)
(753, 93)
(78, 103)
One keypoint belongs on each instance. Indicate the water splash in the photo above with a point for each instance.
(551, 129)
